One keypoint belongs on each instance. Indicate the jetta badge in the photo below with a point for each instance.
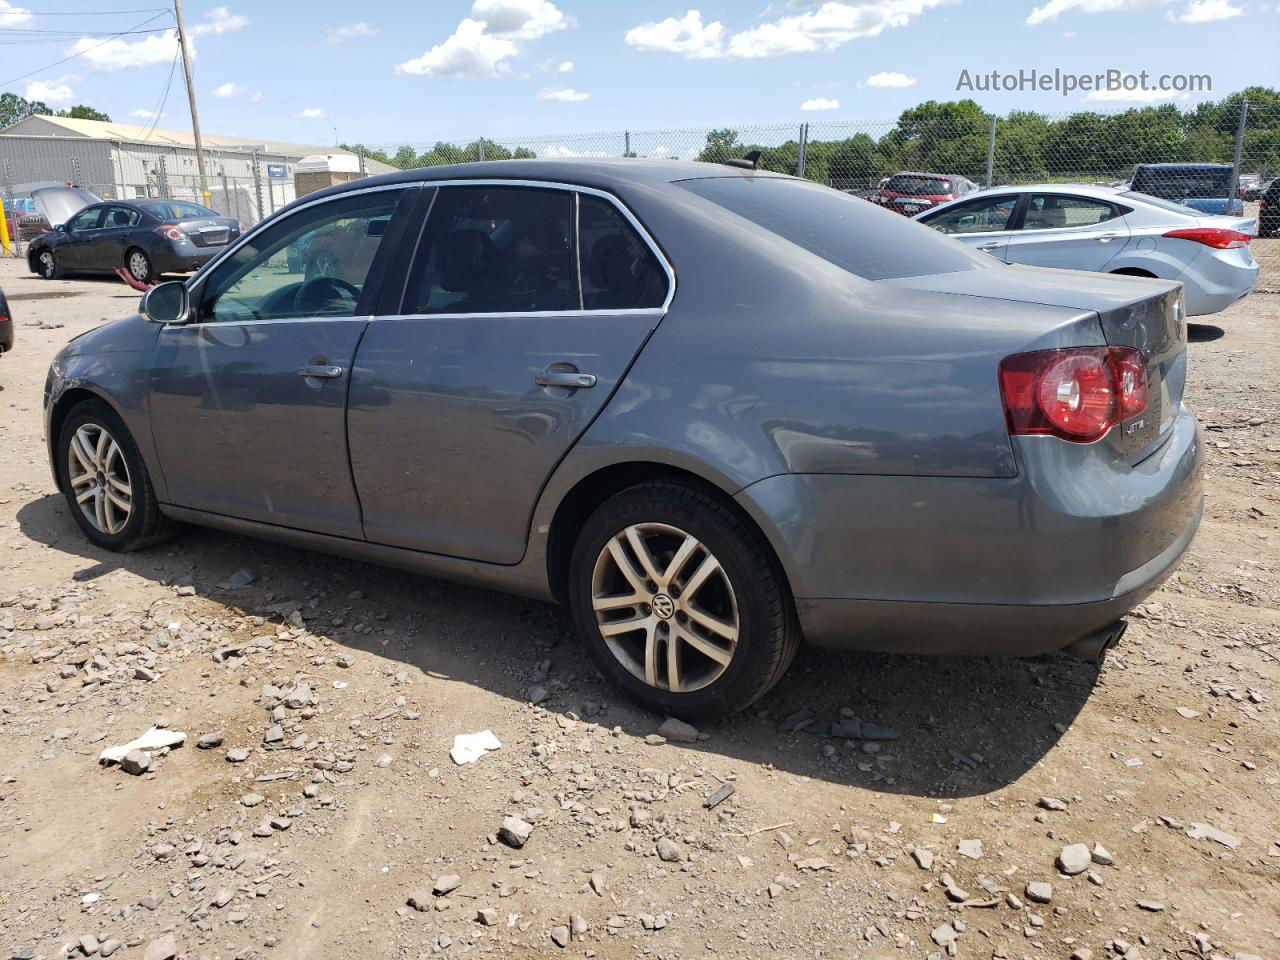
(1133, 427)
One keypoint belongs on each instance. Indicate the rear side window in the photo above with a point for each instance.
(1049, 211)
(852, 233)
(496, 250)
(619, 270)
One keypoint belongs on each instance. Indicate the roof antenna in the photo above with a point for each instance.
(746, 163)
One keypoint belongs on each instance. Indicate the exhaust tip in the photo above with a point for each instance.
(1093, 648)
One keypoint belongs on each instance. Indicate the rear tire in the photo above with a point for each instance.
(106, 483)
(714, 624)
(139, 265)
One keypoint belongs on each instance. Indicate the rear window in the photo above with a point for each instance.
(918, 186)
(1177, 182)
(852, 233)
(177, 210)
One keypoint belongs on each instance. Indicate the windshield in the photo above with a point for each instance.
(852, 233)
(177, 210)
(914, 186)
(1178, 182)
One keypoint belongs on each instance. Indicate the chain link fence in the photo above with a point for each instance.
(1020, 147)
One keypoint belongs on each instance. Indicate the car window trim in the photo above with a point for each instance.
(578, 191)
(630, 217)
(1030, 194)
(195, 283)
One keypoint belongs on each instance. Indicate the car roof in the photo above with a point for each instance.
(1185, 166)
(1082, 189)
(919, 173)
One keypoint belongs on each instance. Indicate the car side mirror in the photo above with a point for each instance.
(63, 228)
(168, 302)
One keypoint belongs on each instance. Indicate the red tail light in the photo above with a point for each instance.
(1214, 237)
(1076, 394)
(170, 232)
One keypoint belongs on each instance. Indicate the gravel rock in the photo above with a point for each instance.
(238, 754)
(1074, 859)
(1039, 892)
(446, 883)
(514, 832)
(487, 916)
(560, 935)
(1100, 855)
(669, 851)
(923, 858)
(252, 799)
(1051, 803)
(970, 848)
(136, 762)
(165, 948)
(677, 731)
(209, 741)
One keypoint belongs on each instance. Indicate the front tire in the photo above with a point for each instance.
(680, 603)
(46, 264)
(105, 481)
(139, 265)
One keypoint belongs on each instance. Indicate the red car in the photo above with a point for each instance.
(909, 193)
(24, 220)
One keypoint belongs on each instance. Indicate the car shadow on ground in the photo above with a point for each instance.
(1204, 332)
(964, 726)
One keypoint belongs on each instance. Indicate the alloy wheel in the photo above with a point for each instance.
(100, 479)
(138, 265)
(46, 263)
(665, 607)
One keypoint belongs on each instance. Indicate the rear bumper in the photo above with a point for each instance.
(1218, 278)
(171, 259)
(982, 566)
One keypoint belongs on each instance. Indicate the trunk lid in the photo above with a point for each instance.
(209, 231)
(60, 204)
(1138, 312)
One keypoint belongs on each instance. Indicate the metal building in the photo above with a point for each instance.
(247, 179)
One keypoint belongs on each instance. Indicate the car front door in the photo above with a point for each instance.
(982, 222)
(76, 245)
(1059, 230)
(107, 251)
(523, 308)
(248, 401)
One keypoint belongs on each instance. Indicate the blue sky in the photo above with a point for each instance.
(388, 71)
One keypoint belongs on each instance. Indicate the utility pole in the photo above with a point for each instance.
(191, 98)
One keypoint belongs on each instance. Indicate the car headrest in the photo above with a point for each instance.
(119, 218)
(467, 261)
(611, 269)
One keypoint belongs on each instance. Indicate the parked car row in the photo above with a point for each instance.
(909, 193)
(144, 237)
(710, 408)
(1109, 230)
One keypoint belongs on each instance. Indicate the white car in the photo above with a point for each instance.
(1109, 230)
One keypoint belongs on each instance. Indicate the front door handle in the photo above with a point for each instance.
(565, 378)
(1108, 237)
(321, 371)
(991, 246)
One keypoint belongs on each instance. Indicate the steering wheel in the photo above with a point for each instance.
(316, 295)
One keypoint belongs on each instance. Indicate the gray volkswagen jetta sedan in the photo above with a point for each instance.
(712, 409)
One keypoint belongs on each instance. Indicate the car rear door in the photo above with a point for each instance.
(1067, 231)
(523, 308)
(248, 402)
(107, 251)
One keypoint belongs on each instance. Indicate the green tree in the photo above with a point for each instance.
(83, 112)
(14, 108)
(721, 145)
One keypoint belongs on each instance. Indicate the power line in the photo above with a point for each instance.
(164, 98)
(81, 53)
(93, 13)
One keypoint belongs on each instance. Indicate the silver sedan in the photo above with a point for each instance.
(1108, 230)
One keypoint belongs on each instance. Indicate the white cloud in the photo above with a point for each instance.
(1206, 11)
(119, 54)
(220, 20)
(820, 103)
(688, 36)
(229, 89)
(563, 94)
(520, 19)
(565, 67)
(144, 114)
(823, 27)
(257, 97)
(888, 78)
(13, 16)
(471, 51)
(52, 92)
(1133, 96)
(1055, 8)
(361, 29)
(311, 113)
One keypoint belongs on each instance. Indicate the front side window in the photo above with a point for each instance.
(496, 249)
(1047, 211)
(313, 263)
(974, 216)
(619, 270)
(85, 219)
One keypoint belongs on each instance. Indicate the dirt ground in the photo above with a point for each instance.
(342, 687)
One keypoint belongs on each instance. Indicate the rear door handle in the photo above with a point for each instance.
(321, 371)
(565, 378)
